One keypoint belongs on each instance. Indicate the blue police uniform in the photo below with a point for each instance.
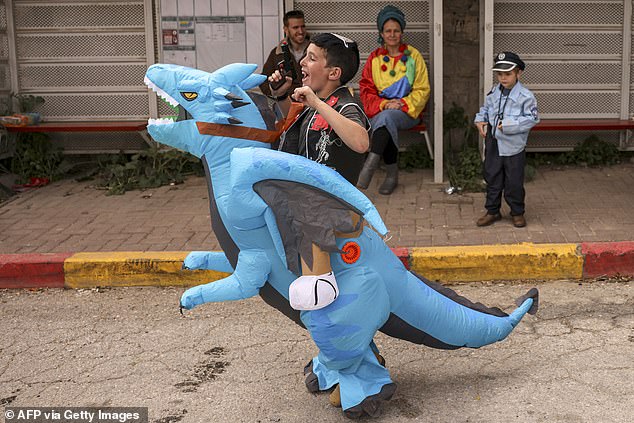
(505, 155)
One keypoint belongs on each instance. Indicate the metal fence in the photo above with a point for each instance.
(578, 57)
(86, 59)
(357, 21)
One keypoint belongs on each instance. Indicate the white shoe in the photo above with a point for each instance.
(313, 292)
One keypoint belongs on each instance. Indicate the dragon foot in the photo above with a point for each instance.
(335, 395)
(371, 405)
(311, 381)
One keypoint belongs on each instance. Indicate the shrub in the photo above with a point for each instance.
(415, 157)
(464, 170)
(150, 168)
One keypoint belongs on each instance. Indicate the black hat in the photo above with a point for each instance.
(507, 61)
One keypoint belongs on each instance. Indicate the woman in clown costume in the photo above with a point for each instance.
(394, 91)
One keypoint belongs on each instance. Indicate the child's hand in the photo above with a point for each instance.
(482, 128)
(275, 83)
(306, 96)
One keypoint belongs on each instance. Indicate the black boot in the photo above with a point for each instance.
(369, 167)
(391, 179)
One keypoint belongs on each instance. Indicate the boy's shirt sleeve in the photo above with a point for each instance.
(483, 114)
(523, 119)
(417, 99)
(486, 111)
(355, 114)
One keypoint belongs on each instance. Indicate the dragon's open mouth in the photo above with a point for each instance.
(164, 96)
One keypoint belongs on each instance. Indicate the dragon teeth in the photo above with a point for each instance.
(160, 121)
(165, 96)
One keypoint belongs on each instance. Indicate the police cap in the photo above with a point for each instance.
(507, 61)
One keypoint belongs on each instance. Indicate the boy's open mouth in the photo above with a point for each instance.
(304, 75)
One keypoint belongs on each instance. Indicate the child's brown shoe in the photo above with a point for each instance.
(488, 219)
(519, 221)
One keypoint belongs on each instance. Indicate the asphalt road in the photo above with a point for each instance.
(243, 361)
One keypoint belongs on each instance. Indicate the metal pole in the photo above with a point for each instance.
(488, 47)
(438, 91)
(13, 59)
(625, 60)
(149, 49)
(486, 41)
(626, 72)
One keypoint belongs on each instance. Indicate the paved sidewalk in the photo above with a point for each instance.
(572, 205)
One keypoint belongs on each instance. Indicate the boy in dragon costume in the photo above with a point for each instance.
(268, 208)
(332, 129)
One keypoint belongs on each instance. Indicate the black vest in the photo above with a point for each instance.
(312, 137)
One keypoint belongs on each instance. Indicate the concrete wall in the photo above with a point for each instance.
(461, 54)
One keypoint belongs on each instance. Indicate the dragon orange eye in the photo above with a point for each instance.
(189, 96)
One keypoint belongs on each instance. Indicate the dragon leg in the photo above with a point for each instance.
(361, 386)
(343, 332)
(251, 273)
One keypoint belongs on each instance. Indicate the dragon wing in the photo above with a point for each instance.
(303, 202)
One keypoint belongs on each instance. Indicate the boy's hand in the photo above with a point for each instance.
(278, 87)
(306, 96)
(482, 128)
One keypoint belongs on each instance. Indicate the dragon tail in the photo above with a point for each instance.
(527, 303)
(436, 316)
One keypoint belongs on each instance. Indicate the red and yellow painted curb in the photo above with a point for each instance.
(446, 264)
(87, 270)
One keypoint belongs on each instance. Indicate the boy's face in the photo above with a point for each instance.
(508, 79)
(315, 71)
(296, 30)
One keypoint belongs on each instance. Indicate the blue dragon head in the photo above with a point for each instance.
(219, 97)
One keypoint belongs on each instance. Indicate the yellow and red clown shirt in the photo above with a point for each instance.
(401, 77)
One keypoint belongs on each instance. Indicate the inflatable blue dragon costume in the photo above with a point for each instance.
(268, 208)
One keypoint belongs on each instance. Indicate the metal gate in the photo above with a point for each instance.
(87, 60)
(357, 21)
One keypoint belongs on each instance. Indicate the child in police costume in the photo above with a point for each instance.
(504, 121)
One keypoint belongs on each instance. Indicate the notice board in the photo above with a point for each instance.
(204, 42)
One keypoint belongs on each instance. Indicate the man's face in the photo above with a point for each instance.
(315, 71)
(296, 31)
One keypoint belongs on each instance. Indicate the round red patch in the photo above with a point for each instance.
(351, 252)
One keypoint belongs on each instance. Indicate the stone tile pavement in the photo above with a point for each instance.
(569, 205)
